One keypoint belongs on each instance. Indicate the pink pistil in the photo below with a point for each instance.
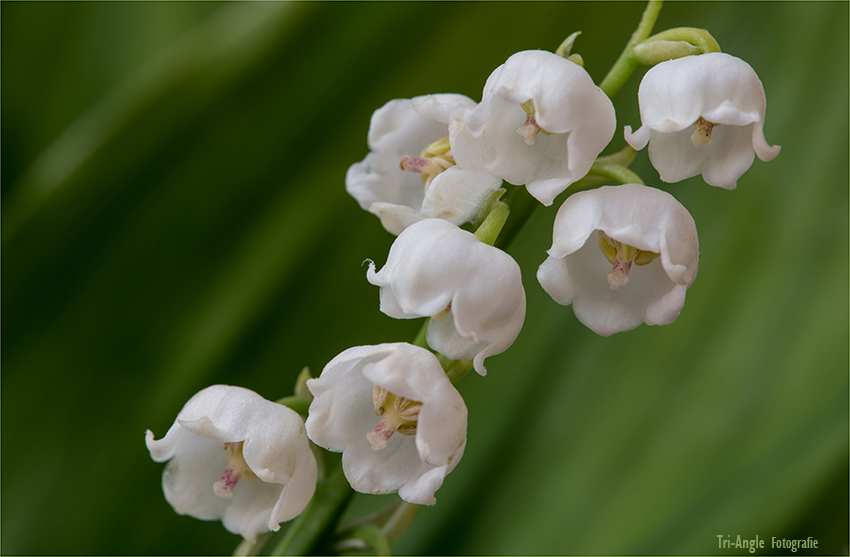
(224, 486)
(416, 164)
(619, 275)
(381, 434)
(529, 130)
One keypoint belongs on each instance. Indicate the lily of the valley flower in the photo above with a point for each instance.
(472, 291)
(621, 255)
(236, 457)
(423, 163)
(702, 115)
(543, 122)
(395, 416)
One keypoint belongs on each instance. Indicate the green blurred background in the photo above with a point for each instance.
(173, 216)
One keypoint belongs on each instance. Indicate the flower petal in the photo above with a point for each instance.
(342, 414)
(714, 90)
(404, 127)
(274, 447)
(576, 118)
(645, 218)
(434, 266)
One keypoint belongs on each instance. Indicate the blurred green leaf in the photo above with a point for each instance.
(174, 216)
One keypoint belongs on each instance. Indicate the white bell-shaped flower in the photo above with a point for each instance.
(423, 163)
(702, 115)
(472, 291)
(621, 255)
(543, 122)
(236, 457)
(394, 415)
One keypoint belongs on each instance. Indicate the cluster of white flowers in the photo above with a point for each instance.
(436, 163)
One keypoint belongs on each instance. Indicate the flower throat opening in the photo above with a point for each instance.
(237, 469)
(702, 132)
(621, 256)
(434, 159)
(399, 415)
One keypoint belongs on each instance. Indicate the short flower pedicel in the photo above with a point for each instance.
(599, 235)
(423, 163)
(393, 413)
(237, 457)
(472, 291)
(702, 115)
(543, 122)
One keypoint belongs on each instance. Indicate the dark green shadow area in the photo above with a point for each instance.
(174, 216)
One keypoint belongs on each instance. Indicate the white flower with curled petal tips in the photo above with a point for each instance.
(236, 457)
(543, 122)
(702, 115)
(423, 163)
(472, 291)
(621, 255)
(393, 413)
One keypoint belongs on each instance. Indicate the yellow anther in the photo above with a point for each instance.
(435, 158)
(621, 256)
(379, 399)
(628, 252)
(437, 148)
(407, 409)
(645, 257)
(399, 415)
(606, 244)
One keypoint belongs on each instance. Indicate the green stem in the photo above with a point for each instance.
(500, 227)
(363, 537)
(621, 158)
(522, 205)
(247, 548)
(492, 225)
(319, 519)
(697, 37)
(392, 522)
(400, 520)
(421, 337)
(457, 369)
(616, 172)
(297, 403)
(626, 64)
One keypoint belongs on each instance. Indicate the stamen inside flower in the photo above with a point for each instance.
(621, 256)
(236, 469)
(399, 415)
(702, 133)
(434, 159)
(529, 130)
